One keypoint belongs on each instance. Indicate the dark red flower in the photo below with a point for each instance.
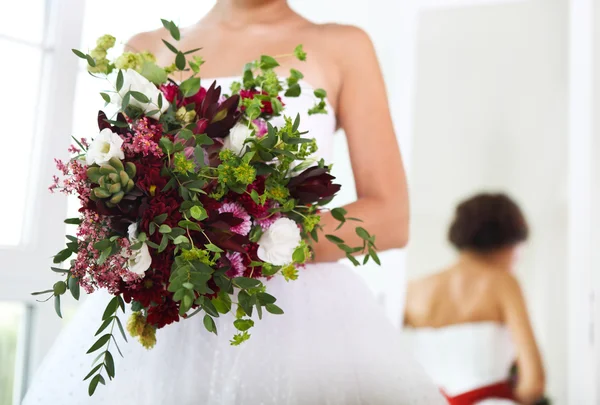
(251, 255)
(163, 314)
(163, 203)
(312, 185)
(150, 289)
(267, 106)
(220, 117)
(170, 91)
(148, 177)
(254, 209)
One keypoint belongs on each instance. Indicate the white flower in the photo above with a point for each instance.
(133, 81)
(104, 147)
(277, 244)
(140, 260)
(237, 136)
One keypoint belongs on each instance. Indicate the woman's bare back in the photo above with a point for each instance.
(460, 294)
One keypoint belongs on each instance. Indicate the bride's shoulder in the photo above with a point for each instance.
(343, 35)
(146, 41)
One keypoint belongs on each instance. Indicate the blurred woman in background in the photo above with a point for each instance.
(469, 322)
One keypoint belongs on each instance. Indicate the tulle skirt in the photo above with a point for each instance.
(332, 346)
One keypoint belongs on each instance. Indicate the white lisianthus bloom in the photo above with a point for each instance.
(133, 81)
(237, 136)
(277, 244)
(104, 147)
(140, 260)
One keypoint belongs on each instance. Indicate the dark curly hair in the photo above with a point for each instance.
(487, 222)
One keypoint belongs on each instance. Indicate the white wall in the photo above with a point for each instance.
(490, 114)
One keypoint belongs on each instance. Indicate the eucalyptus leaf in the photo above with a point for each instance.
(209, 324)
(99, 343)
(274, 309)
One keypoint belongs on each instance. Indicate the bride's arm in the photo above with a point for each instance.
(364, 115)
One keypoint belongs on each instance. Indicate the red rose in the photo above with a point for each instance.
(251, 256)
(163, 314)
(196, 99)
(267, 106)
(170, 91)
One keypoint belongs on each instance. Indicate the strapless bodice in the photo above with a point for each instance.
(464, 357)
(319, 126)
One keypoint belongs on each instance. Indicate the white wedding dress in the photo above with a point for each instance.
(333, 345)
(465, 357)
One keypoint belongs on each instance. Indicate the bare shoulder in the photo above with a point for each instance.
(146, 41)
(346, 34)
(506, 284)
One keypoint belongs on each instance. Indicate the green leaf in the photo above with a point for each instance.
(111, 308)
(320, 93)
(73, 221)
(362, 232)
(246, 302)
(174, 31)
(141, 97)
(104, 325)
(126, 100)
(265, 298)
(43, 292)
(94, 384)
(166, 144)
(299, 53)
(79, 53)
(298, 256)
(109, 362)
(120, 325)
(293, 91)
(180, 61)
(268, 62)
(204, 139)
(105, 97)
(74, 287)
(339, 214)
(181, 239)
(274, 309)
(296, 123)
(296, 74)
(192, 51)
(243, 324)
(159, 219)
(104, 255)
(209, 308)
(163, 244)
(190, 86)
(99, 343)
(103, 244)
(352, 259)
(366, 259)
(91, 373)
(209, 324)
(154, 73)
(198, 213)
(334, 239)
(171, 47)
(120, 80)
(373, 254)
(62, 256)
(245, 282)
(164, 229)
(90, 61)
(57, 305)
(222, 304)
(213, 248)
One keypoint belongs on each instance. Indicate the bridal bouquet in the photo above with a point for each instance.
(190, 198)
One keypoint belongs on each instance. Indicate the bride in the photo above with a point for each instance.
(334, 344)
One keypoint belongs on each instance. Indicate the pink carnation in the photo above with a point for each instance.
(239, 212)
(237, 264)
